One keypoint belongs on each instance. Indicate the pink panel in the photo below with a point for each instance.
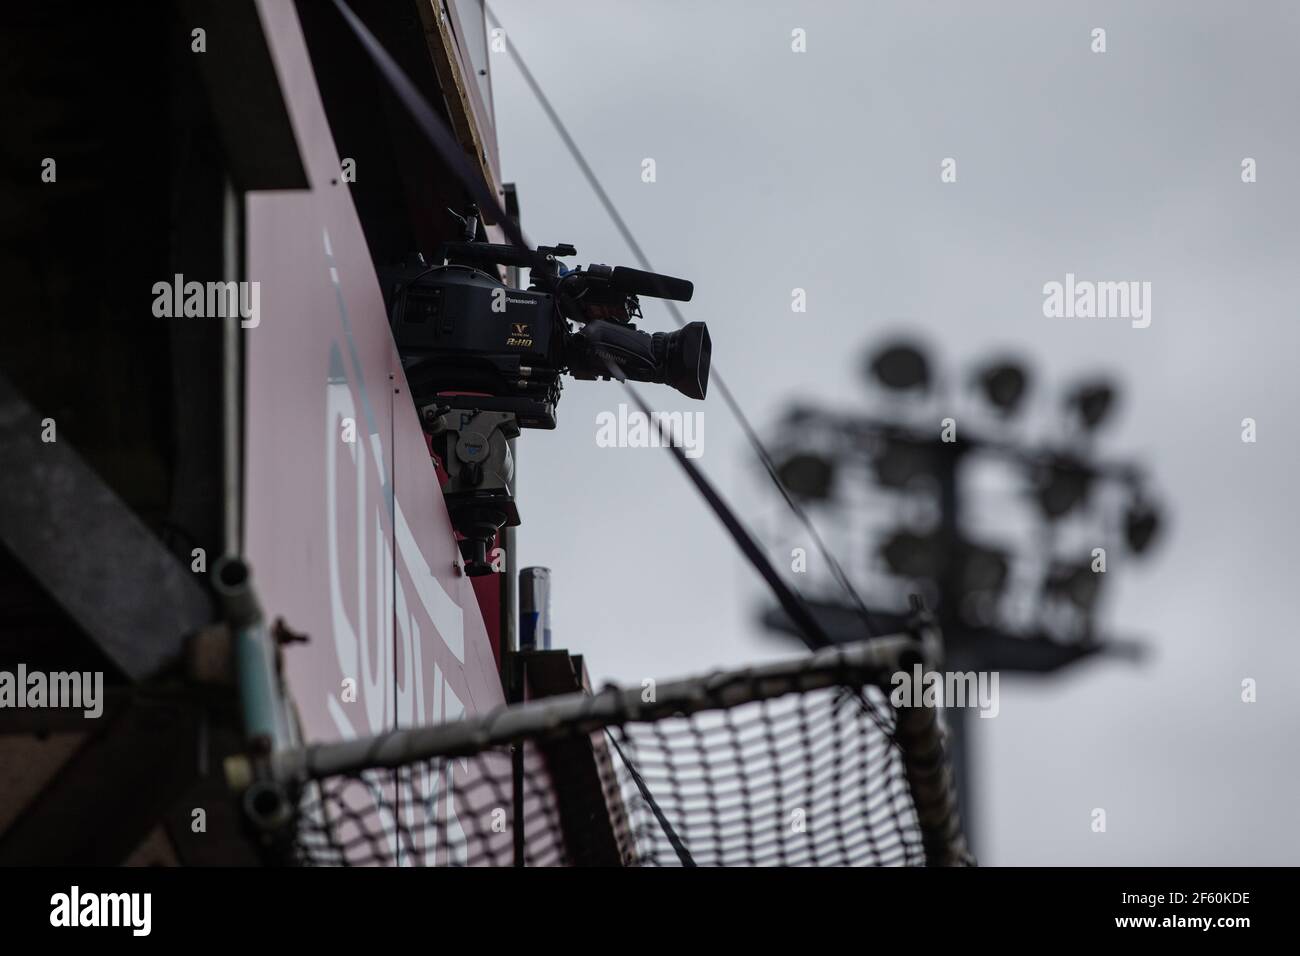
(349, 539)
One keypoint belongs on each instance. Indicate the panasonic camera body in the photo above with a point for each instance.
(466, 336)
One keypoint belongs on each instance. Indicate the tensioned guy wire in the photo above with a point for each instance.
(644, 262)
(444, 143)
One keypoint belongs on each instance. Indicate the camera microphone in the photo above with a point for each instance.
(635, 282)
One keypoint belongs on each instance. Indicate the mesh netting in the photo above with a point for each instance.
(732, 771)
(805, 779)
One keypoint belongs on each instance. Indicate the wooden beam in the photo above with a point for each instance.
(107, 798)
(596, 828)
(464, 121)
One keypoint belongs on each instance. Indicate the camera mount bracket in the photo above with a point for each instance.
(473, 445)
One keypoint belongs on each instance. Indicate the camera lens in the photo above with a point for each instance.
(679, 359)
(685, 361)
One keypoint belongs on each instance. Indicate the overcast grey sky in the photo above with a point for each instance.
(820, 170)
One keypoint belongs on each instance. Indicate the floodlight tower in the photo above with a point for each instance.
(1014, 588)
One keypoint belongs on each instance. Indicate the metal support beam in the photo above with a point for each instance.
(89, 551)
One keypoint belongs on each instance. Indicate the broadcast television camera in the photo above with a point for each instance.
(461, 329)
(484, 359)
